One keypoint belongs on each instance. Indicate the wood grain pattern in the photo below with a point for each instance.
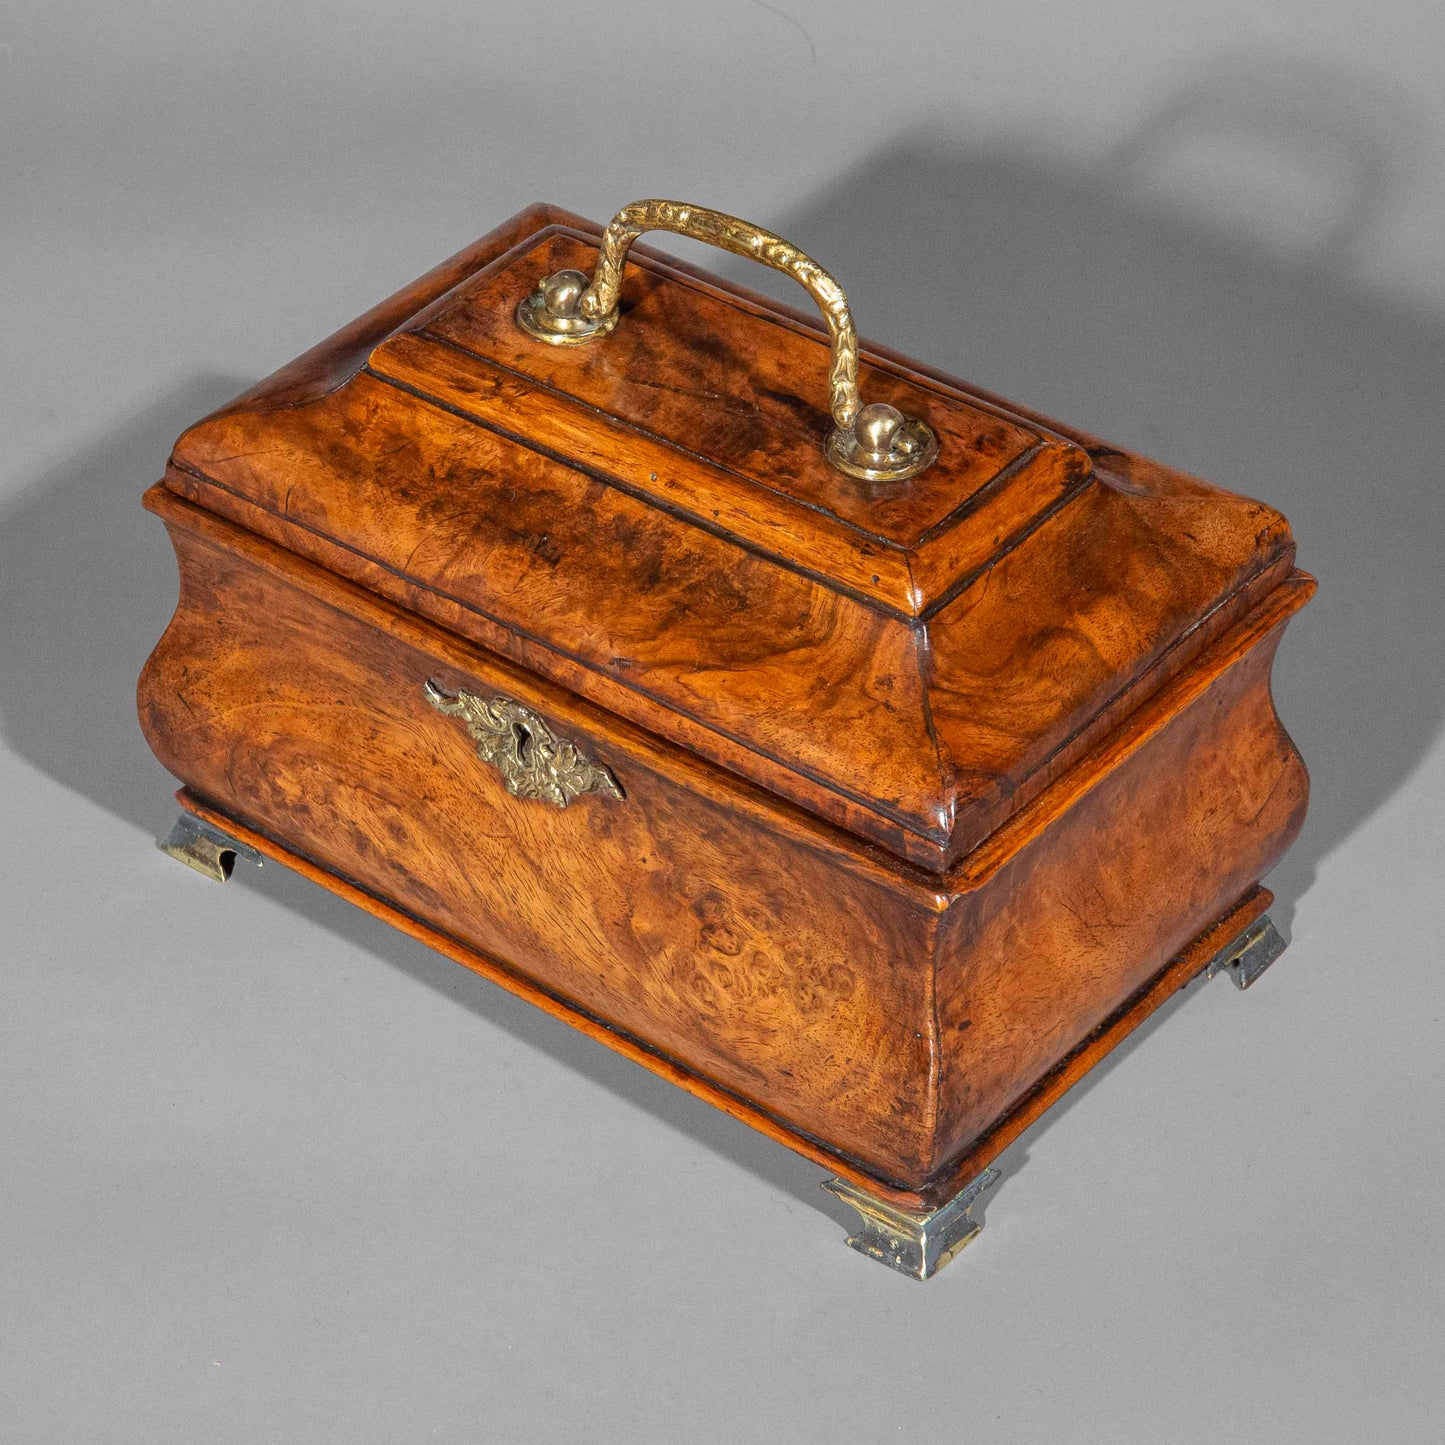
(674, 615)
(920, 732)
(908, 580)
(677, 920)
(1179, 972)
(929, 796)
(744, 393)
(1030, 961)
(891, 1019)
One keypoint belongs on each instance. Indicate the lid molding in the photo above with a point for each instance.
(654, 526)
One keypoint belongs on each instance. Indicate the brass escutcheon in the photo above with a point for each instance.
(533, 761)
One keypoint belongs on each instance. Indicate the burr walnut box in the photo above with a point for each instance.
(857, 751)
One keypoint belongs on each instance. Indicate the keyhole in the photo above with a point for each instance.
(523, 738)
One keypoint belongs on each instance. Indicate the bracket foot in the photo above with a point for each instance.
(206, 849)
(918, 1245)
(1250, 954)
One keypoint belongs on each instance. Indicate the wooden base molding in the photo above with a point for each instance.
(915, 1232)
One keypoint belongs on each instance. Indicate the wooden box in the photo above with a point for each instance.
(869, 794)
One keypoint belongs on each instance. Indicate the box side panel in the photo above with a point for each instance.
(1055, 940)
(734, 948)
(1057, 643)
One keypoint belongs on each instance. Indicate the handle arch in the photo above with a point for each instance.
(874, 442)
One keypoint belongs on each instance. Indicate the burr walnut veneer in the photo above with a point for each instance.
(873, 811)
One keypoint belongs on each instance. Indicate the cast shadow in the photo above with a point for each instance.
(1089, 296)
(87, 586)
(1245, 352)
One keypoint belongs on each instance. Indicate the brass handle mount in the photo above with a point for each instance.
(874, 442)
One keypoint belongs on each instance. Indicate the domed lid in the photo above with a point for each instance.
(657, 518)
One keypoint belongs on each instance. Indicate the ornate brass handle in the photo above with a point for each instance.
(533, 761)
(876, 442)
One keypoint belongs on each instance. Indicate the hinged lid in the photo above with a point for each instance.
(653, 518)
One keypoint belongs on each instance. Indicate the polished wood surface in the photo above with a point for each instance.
(892, 1017)
(925, 803)
(1180, 971)
(722, 609)
(705, 932)
(740, 390)
(908, 577)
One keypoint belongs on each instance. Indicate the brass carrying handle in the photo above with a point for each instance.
(875, 442)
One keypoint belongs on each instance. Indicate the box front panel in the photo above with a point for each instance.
(744, 951)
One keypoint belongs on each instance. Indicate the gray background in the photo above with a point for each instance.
(272, 1172)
